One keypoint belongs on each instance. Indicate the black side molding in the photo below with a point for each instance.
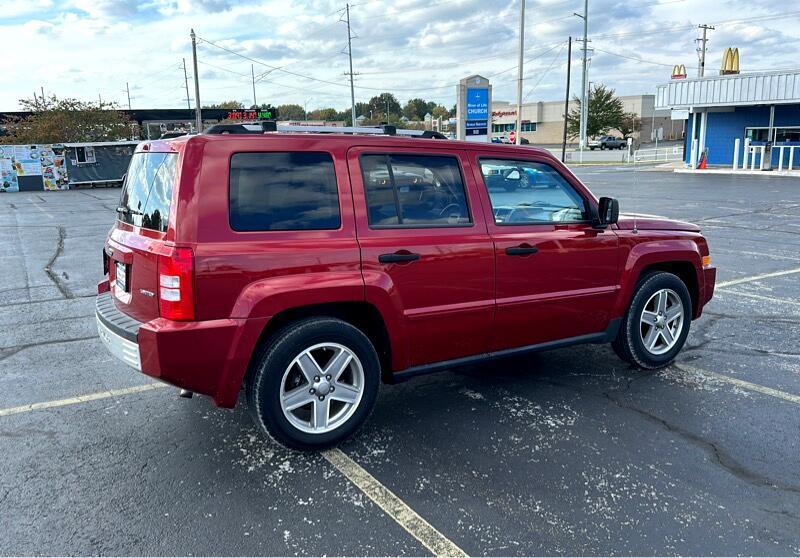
(602, 337)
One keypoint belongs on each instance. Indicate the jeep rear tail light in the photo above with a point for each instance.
(176, 284)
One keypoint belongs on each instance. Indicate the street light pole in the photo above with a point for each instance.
(518, 136)
(350, 56)
(584, 93)
(566, 100)
(253, 77)
(197, 115)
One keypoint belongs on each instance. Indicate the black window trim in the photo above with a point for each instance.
(263, 231)
(586, 204)
(388, 155)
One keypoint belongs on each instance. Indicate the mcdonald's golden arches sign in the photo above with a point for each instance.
(678, 71)
(730, 61)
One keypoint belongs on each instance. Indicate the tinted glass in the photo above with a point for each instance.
(523, 192)
(414, 190)
(147, 194)
(283, 192)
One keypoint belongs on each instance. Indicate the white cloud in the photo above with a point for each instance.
(415, 48)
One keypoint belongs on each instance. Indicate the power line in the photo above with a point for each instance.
(550, 67)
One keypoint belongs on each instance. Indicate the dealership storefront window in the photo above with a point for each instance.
(785, 135)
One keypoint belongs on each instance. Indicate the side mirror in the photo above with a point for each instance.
(607, 212)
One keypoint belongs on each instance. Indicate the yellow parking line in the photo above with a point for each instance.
(80, 399)
(740, 383)
(732, 282)
(394, 507)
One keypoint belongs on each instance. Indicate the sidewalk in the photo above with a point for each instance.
(743, 172)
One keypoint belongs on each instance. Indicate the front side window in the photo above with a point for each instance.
(147, 193)
(414, 190)
(524, 192)
(286, 191)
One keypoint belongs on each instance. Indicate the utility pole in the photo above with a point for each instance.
(701, 50)
(100, 100)
(584, 78)
(186, 81)
(566, 99)
(198, 115)
(253, 77)
(128, 89)
(350, 56)
(42, 87)
(518, 126)
(387, 109)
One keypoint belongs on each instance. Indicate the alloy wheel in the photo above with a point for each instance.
(321, 388)
(661, 321)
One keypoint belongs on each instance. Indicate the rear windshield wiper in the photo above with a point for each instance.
(128, 211)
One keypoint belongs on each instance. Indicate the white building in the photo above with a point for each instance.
(543, 121)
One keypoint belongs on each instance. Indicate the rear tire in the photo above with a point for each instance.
(314, 383)
(656, 324)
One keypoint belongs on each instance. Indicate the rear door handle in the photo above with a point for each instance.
(398, 257)
(521, 250)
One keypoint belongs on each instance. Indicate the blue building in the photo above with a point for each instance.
(760, 110)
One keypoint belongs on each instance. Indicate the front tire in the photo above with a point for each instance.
(314, 383)
(656, 324)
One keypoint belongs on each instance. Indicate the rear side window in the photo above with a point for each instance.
(147, 194)
(414, 191)
(286, 191)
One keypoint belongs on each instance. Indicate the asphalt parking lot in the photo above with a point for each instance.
(565, 452)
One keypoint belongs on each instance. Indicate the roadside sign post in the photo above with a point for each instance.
(473, 109)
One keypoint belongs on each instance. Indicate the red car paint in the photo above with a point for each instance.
(463, 297)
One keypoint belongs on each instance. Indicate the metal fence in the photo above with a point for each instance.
(660, 154)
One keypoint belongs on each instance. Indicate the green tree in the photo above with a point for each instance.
(440, 111)
(630, 123)
(416, 109)
(324, 114)
(605, 113)
(291, 112)
(230, 105)
(65, 120)
(384, 104)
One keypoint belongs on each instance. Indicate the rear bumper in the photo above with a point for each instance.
(208, 357)
(125, 350)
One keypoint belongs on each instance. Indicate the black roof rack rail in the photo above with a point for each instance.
(268, 126)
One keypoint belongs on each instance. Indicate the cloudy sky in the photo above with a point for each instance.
(413, 48)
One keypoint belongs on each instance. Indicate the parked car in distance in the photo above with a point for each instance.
(307, 268)
(608, 142)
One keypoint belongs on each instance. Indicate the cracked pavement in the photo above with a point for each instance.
(564, 452)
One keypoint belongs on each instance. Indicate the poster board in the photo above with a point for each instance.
(33, 167)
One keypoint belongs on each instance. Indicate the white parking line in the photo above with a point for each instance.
(394, 507)
(759, 297)
(724, 284)
(80, 399)
(739, 383)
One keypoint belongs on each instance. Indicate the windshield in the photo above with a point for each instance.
(147, 192)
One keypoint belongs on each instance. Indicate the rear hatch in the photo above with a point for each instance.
(142, 233)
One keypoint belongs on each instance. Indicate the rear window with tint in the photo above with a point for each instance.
(284, 191)
(147, 193)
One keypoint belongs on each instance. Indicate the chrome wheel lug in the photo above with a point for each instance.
(332, 388)
(312, 391)
(322, 398)
(328, 377)
(316, 378)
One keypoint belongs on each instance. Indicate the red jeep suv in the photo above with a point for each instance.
(306, 268)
